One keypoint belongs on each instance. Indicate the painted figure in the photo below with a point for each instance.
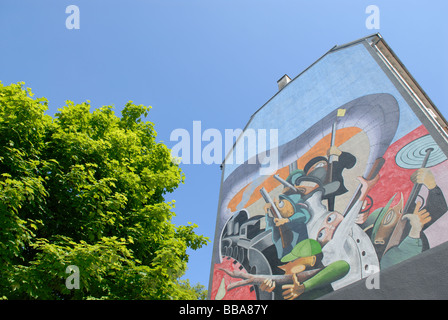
(412, 244)
(394, 239)
(286, 217)
(341, 238)
(328, 175)
(310, 278)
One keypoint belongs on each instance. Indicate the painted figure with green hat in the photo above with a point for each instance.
(307, 255)
(305, 248)
(289, 228)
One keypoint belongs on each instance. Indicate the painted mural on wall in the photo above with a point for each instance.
(361, 185)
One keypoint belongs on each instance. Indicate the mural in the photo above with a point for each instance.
(361, 185)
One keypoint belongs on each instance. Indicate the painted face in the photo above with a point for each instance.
(298, 265)
(284, 207)
(328, 227)
(389, 222)
(319, 164)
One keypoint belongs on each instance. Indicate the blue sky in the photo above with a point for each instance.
(199, 60)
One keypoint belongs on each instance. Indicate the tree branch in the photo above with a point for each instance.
(251, 279)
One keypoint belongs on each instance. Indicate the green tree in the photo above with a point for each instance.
(87, 189)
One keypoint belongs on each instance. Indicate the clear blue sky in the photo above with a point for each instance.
(200, 60)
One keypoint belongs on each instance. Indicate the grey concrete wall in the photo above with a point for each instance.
(423, 277)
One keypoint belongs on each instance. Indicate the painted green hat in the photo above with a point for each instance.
(293, 176)
(305, 248)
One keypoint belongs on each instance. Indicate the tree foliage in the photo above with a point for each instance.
(87, 189)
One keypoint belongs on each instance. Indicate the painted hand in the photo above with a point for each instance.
(366, 185)
(334, 151)
(418, 219)
(292, 291)
(425, 177)
(279, 222)
(268, 285)
(267, 208)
